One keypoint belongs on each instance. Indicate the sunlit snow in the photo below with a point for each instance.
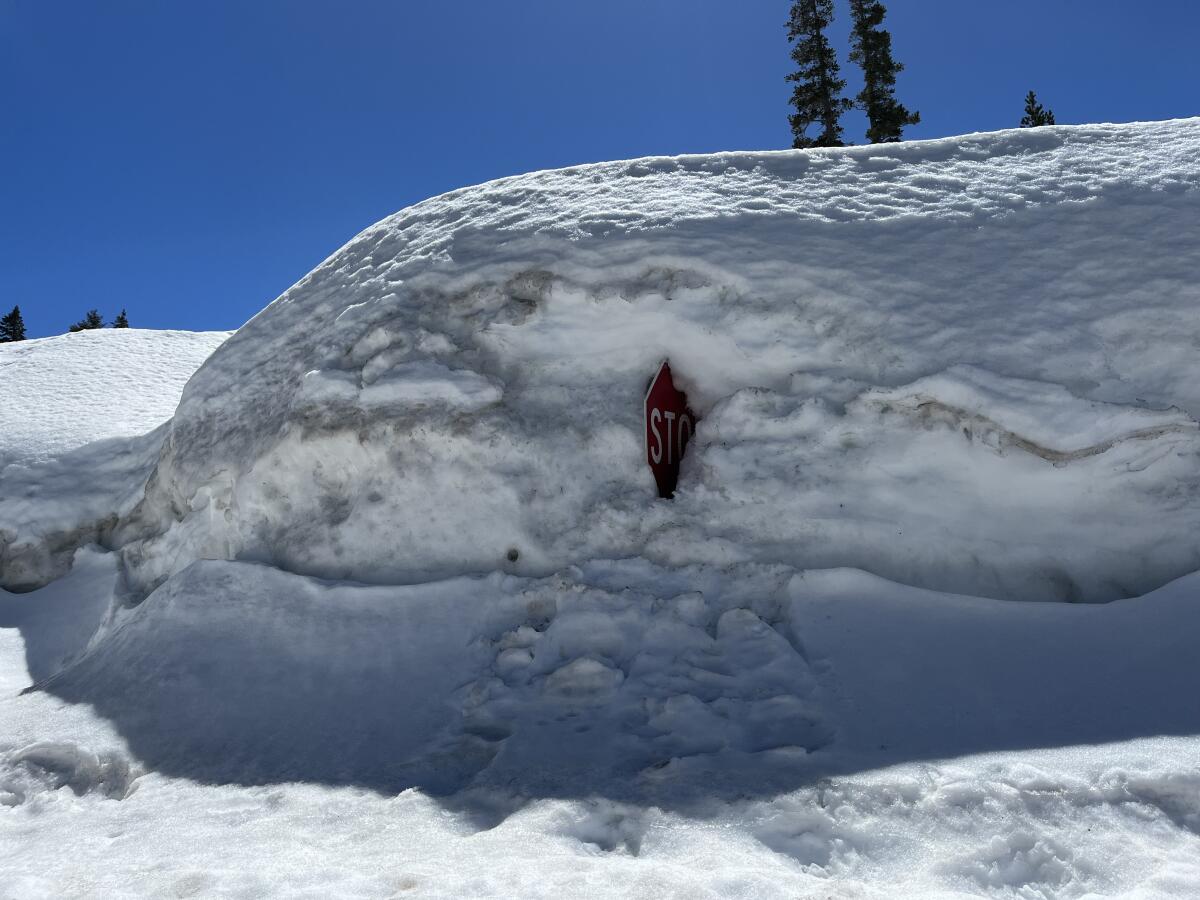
(390, 606)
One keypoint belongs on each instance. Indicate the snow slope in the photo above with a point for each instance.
(931, 376)
(82, 416)
(61, 393)
(620, 679)
(858, 330)
(251, 732)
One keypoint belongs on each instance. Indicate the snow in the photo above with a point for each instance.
(464, 378)
(620, 678)
(64, 392)
(252, 732)
(899, 832)
(391, 606)
(82, 415)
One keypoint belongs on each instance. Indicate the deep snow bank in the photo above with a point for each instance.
(80, 431)
(860, 330)
(960, 363)
(619, 729)
(80, 813)
(620, 679)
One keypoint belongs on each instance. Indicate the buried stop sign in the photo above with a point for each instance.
(669, 426)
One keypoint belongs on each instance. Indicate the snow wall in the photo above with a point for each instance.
(81, 427)
(969, 365)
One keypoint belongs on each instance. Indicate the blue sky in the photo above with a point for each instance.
(189, 161)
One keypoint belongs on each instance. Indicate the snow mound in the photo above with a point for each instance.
(48, 766)
(82, 419)
(240, 673)
(462, 383)
(712, 731)
(620, 680)
(63, 392)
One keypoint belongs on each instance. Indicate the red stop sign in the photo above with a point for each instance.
(669, 427)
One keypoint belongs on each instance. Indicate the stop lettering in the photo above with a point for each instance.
(669, 427)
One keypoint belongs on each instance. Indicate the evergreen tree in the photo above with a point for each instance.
(12, 326)
(121, 321)
(871, 48)
(88, 322)
(1035, 115)
(818, 93)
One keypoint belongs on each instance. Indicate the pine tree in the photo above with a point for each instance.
(1035, 115)
(12, 326)
(817, 96)
(88, 322)
(121, 321)
(871, 48)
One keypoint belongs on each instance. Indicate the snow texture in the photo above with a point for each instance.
(391, 606)
(965, 364)
(595, 733)
(82, 418)
(64, 392)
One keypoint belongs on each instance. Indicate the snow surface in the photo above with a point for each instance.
(61, 393)
(250, 732)
(81, 418)
(391, 607)
(465, 378)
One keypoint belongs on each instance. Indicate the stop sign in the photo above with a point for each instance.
(669, 427)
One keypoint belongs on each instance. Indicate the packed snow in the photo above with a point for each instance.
(64, 392)
(391, 606)
(82, 415)
(251, 732)
(464, 378)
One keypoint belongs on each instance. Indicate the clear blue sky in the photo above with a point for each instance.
(191, 160)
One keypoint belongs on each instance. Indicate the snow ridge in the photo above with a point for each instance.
(463, 379)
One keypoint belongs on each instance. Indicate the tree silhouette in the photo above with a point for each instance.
(1035, 115)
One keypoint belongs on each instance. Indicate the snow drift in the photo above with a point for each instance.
(966, 364)
(399, 542)
(80, 431)
(617, 679)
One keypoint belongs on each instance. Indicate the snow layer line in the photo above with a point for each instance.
(463, 379)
